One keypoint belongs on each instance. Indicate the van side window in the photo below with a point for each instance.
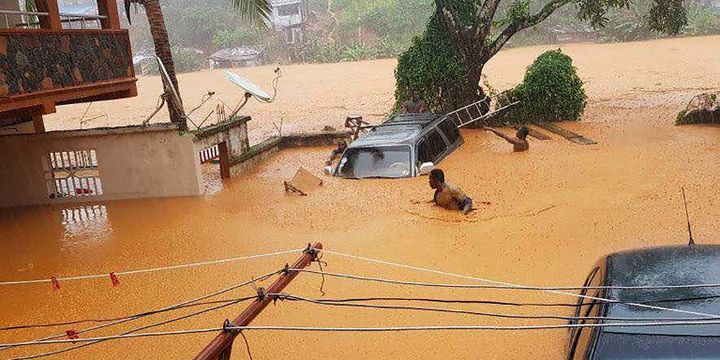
(431, 147)
(450, 130)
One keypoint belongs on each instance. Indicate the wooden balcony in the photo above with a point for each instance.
(51, 65)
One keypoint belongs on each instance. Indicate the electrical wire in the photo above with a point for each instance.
(152, 312)
(156, 269)
(499, 303)
(97, 327)
(504, 287)
(289, 297)
(582, 296)
(375, 329)
(127, 333)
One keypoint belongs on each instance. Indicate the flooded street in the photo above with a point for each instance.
(553, 212)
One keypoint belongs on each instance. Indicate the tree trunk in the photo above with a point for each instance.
(471, 92)
(162, 49)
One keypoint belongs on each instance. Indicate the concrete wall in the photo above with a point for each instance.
(133, 162)
(258, 153)
(233, 132)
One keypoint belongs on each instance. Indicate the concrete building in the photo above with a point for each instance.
(288, 18)
(45, 62)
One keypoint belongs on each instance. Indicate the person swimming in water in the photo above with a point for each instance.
(519, 142)
(447, 195)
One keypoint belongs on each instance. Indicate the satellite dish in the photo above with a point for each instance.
(248, 86)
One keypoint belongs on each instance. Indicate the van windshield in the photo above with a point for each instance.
(385, 161)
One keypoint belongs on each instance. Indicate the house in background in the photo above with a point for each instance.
(288, 19)
(242, 56)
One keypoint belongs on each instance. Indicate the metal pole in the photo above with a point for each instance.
(221, 346)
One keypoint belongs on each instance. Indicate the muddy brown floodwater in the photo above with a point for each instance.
(554, 211)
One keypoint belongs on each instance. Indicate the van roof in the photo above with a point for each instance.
(400, 129)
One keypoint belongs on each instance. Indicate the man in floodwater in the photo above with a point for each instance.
(337, 152)
(414, 105)
(448, 196)
(519, 142)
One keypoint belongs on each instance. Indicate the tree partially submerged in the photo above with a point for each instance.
(446, 63)
(550, 91)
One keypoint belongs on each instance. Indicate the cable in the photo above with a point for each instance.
(377, 329)
(153, 312)
(283, 296)
(130, 332)
(500, 303)
(2, 347)
(163, 268)
(502, 287)
(417, 268)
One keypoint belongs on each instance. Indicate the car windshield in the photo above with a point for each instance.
(386, 161)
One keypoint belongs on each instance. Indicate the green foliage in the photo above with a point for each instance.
(703, 20)
(550, 91)
(229, 38)
(431, 66)
(186, 60)
(667, 16)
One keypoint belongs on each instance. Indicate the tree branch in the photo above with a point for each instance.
(486, 15)
(521, 24)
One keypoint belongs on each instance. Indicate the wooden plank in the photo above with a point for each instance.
(567, 134)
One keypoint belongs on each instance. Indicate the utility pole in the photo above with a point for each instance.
(220, 347)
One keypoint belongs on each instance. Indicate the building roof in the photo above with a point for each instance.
(240, 53)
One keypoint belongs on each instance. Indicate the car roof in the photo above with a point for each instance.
(668, 265)
(401, 129)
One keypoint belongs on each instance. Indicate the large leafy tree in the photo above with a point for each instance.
(447, 62)
(254, 11)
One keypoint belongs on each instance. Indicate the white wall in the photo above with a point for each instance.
(133, 163)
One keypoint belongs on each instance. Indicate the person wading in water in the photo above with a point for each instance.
(414, 105)
(519, 142)
(448, 196)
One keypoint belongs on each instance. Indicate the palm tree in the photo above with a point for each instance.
(255, 11)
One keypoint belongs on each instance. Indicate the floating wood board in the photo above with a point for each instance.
(534, 133)
(303, 182)
(576, 138)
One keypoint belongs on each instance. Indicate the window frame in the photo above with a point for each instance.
(426, 138)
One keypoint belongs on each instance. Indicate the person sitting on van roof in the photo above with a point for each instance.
(519, 142)
(448, 196)
(337, 152)
(414, 105)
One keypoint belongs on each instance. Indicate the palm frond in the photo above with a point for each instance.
(257, 12)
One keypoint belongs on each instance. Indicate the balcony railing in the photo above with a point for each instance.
(30, 20)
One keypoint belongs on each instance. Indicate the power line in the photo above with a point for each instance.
(141, 271)
(439, 272)
(152, 312)
(324, 302)
(503, 287)
(376, 329)
(499, 303)
(130, 332)
(215, 293)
